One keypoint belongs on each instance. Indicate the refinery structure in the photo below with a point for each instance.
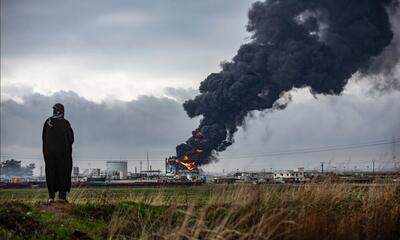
(117, 169)
(185, 170)
(177, 172)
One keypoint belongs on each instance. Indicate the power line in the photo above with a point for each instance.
(315, 150)
(239, 156)
(331, 146)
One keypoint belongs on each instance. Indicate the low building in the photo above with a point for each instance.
(295, 175)
(95, 172)
(244, 176)
(91, 172)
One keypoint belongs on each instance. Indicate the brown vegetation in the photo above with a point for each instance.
(311, 211)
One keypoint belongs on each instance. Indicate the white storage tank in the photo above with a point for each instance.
(119, 168)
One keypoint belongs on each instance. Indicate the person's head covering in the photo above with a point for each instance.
(58, 113)
(58, 107)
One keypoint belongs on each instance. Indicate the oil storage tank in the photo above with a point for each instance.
(117, 169)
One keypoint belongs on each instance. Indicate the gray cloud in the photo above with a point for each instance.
(180, 94)
(124, 28)
(384, 73)
(128, 129)
(328, 120)
(138, 45)
(102, 130)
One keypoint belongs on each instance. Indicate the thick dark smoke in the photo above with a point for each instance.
(317, 44)
(384, 72)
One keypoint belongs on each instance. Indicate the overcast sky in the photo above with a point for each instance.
(123, 69)
(116, 49)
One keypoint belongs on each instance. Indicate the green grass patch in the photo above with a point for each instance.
(334, 211)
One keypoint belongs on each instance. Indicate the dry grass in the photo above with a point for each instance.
(311, 211)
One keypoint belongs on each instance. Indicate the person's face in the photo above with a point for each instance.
(55, 111)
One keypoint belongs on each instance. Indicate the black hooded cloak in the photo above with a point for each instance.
(58, 137)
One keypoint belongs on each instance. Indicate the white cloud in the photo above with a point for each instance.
(104, 50)
(47, 76)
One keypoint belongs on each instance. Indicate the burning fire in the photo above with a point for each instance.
(199, 150)
(191, 154)
(183, 160)
(189, 166)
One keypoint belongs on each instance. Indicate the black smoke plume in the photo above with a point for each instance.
(317, 44)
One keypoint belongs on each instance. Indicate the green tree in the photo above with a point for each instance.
(13, 167)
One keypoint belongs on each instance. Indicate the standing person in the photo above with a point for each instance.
(58, 137)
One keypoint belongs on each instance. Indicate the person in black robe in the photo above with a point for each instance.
(58, 138)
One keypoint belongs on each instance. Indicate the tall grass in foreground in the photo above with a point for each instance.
(311, 211)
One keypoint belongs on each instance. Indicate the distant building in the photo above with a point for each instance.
(311, 174)
(265, 175)
(75, 171)
(117, 169)
(91, 172)
(95, 172)
(244, 176)
(86, 172)
(295, 175)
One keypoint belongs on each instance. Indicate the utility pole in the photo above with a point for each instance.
(394, 152)
(166, 165)
(322, 168)
(41, 171)
(140, 167)
(148, 164)
(373, 166)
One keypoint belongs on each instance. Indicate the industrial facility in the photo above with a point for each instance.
(117, 169)
(177, 172)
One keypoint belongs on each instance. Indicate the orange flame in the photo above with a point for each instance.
(189, 166)
(183, 160)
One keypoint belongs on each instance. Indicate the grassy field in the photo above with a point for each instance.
(311, 211)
